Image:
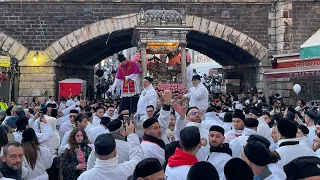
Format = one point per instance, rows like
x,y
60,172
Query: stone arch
x,y
117,31
12,46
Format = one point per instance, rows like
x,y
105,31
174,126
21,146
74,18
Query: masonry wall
x,y
38,25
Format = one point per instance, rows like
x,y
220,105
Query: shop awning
x,y
296,72
311,48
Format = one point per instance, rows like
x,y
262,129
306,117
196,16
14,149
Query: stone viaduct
x,y
70,36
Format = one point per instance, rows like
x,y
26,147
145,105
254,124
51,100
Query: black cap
x,y
147,167
227,117
236,168
21,123
147,123
28,135
104,144
238,115
114,125
121,57
53,105
290,116
44,110
256,137
262,158
217,128
190,137
105,121
311,114
78,118
11,121
287,128
203,170
302,167
256,111
148,79
251,122
196,77
303,129
89,114
74,111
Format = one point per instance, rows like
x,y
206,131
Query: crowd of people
x,y
228,137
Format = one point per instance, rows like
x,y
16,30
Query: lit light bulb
x,y
34,59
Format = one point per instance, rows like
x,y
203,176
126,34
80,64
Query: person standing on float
x,y
127,79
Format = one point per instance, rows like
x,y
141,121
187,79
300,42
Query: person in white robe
x,y
238,126
94,132
107,166
220,153
110,112
192,117
263,128
189,76
258,162
289,147
54,142
148,96
68,125
237,144
138,120
227,121
309,119
199,95
302,136
117,130
43,136
99,112
316,145
211,118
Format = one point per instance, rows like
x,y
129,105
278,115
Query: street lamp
x,y
35,56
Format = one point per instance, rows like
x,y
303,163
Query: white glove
x,y
127,78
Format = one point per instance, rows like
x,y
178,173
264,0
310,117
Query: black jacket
x,y
8,172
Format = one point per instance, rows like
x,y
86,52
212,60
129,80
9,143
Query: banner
x,y
300,63
4,61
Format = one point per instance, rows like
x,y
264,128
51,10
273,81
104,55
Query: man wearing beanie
x,y
310,119
220,153
127,78
107,166
263,127
117,130
149,168
236,145
68,125
185,157
303,168
238,126
192,117
148,96
273,167
204,171
302,136
258,157
289,147
237,169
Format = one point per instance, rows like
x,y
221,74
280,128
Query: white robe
x,y
96,121
304,141
232,134
111,170
312,133
44,136
65,127
94,132
236,145
152,150
219,160
148,97
189,77
211,119
177,173
291,152
199,97
227,126
277,171
122,154
44,162
119,83
264,129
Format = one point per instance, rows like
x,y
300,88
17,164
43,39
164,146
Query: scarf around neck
x,y
222,149
181,158
152,139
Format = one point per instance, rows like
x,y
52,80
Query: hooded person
x,y
127,78
302,135
149,168
238,126
236,168
303,168
220,153
107,159
236,145
273,167
258,162
94,132
185,157
289,147
68,125
148,96
204,171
